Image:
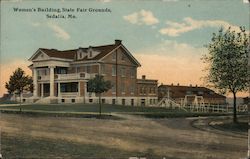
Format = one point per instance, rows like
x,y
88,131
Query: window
x,y
200,92
88,69
63,100
77,69
123,87
73,100
114,56
132,102
103,69
141,90
144,90
90,100
123,72
113,101
123,101
132,89
188,92
132,72
103,100
69,87
61,70
113,70
143,102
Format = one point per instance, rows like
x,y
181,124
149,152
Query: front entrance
x,y
46,89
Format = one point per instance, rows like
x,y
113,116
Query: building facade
x,y
62,76
189,94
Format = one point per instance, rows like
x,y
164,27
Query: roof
x,y
66,54
104,50
177,91
71,54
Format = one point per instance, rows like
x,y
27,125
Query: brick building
x,y
178,93
62,76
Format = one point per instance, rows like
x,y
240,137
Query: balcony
x,y
72,76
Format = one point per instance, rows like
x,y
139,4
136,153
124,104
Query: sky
x,y
167,37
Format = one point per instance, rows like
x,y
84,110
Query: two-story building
x,y
62,76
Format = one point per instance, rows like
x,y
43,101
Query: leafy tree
x,y
19,82
98,85
227,62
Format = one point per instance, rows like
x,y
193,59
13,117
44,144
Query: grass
x,y
88,108
8,102
91,110
179,114
227,125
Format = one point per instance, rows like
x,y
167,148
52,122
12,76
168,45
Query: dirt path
x,y
170,138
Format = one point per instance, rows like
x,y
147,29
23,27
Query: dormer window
x,y
92,53
80,54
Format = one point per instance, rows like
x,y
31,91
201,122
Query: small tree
x,y
98,85
19,82
228,60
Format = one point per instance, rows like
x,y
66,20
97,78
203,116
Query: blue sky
x,y
171,30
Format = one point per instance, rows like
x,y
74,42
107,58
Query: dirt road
x,y
49,137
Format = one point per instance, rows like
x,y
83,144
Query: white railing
x,y
69,94
70,76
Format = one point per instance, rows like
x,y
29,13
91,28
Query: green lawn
x,y
91,110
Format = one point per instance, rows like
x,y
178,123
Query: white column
x,y
42,93
52,81
85,92
59,89
34,82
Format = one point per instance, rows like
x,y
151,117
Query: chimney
x,y
172,84
190,85
178,84
143,77
117,42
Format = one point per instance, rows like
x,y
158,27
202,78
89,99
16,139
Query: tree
x,y
98,85
227,63
19,82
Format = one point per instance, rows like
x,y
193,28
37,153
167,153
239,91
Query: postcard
x,y
117,79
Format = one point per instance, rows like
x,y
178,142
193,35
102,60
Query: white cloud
x,y
59,32
245,1
189,24
142,17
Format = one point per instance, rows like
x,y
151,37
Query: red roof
x,y
71,54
